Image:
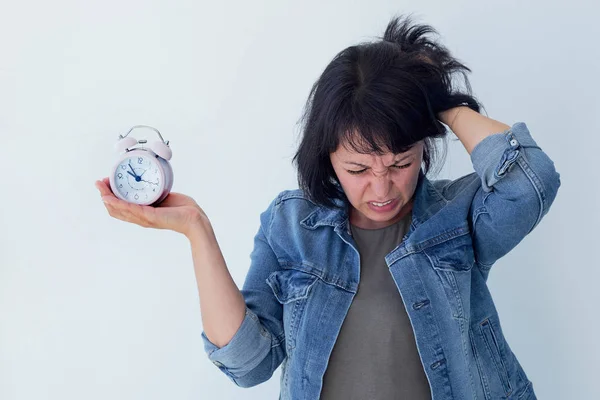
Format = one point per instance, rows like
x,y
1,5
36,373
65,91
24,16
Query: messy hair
x,y
378,96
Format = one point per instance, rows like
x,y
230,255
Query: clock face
x,y
138,178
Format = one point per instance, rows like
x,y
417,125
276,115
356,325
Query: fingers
x,y
126,214
108,197
104,187
123,210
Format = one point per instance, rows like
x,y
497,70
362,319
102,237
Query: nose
x,y
381,184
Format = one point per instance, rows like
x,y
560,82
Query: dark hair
x,y
389,93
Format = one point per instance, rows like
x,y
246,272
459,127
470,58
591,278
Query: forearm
x,y
470,127
222,305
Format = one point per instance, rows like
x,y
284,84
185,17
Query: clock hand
x,y
152,183
129,172
134,174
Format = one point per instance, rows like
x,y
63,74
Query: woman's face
x,y
367,178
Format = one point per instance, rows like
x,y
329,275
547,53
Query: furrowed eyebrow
x,y
366,166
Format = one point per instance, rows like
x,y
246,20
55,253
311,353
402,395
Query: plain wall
x,y
95,308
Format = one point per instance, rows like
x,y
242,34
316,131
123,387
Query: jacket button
x,y
514,142
437,364
420,304
218,364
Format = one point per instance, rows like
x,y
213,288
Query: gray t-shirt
x,y
375,355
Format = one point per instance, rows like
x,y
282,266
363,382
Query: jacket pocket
x,y
291,287
492,362
456,254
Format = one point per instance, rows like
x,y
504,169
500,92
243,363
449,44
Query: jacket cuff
x,y
245,351
493,157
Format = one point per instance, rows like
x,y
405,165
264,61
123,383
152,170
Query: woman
x,y
369,281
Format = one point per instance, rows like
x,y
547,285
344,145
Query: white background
x,y
94,308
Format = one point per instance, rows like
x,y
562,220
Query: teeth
x,y
381,204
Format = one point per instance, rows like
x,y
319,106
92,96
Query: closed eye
x,y
395,166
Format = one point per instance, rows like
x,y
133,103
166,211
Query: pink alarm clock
x,y
142,175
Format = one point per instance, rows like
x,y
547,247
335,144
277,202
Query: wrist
x,y
199,228
449,117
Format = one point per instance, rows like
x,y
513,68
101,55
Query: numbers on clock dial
x,y
138,177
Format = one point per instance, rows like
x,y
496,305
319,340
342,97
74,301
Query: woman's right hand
x,y
177,212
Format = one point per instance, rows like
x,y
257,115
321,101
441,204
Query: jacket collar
x,y
427,202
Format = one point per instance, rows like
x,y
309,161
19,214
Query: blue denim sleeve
x,y
519,182
256,349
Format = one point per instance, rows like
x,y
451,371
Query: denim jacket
x,y
304,273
